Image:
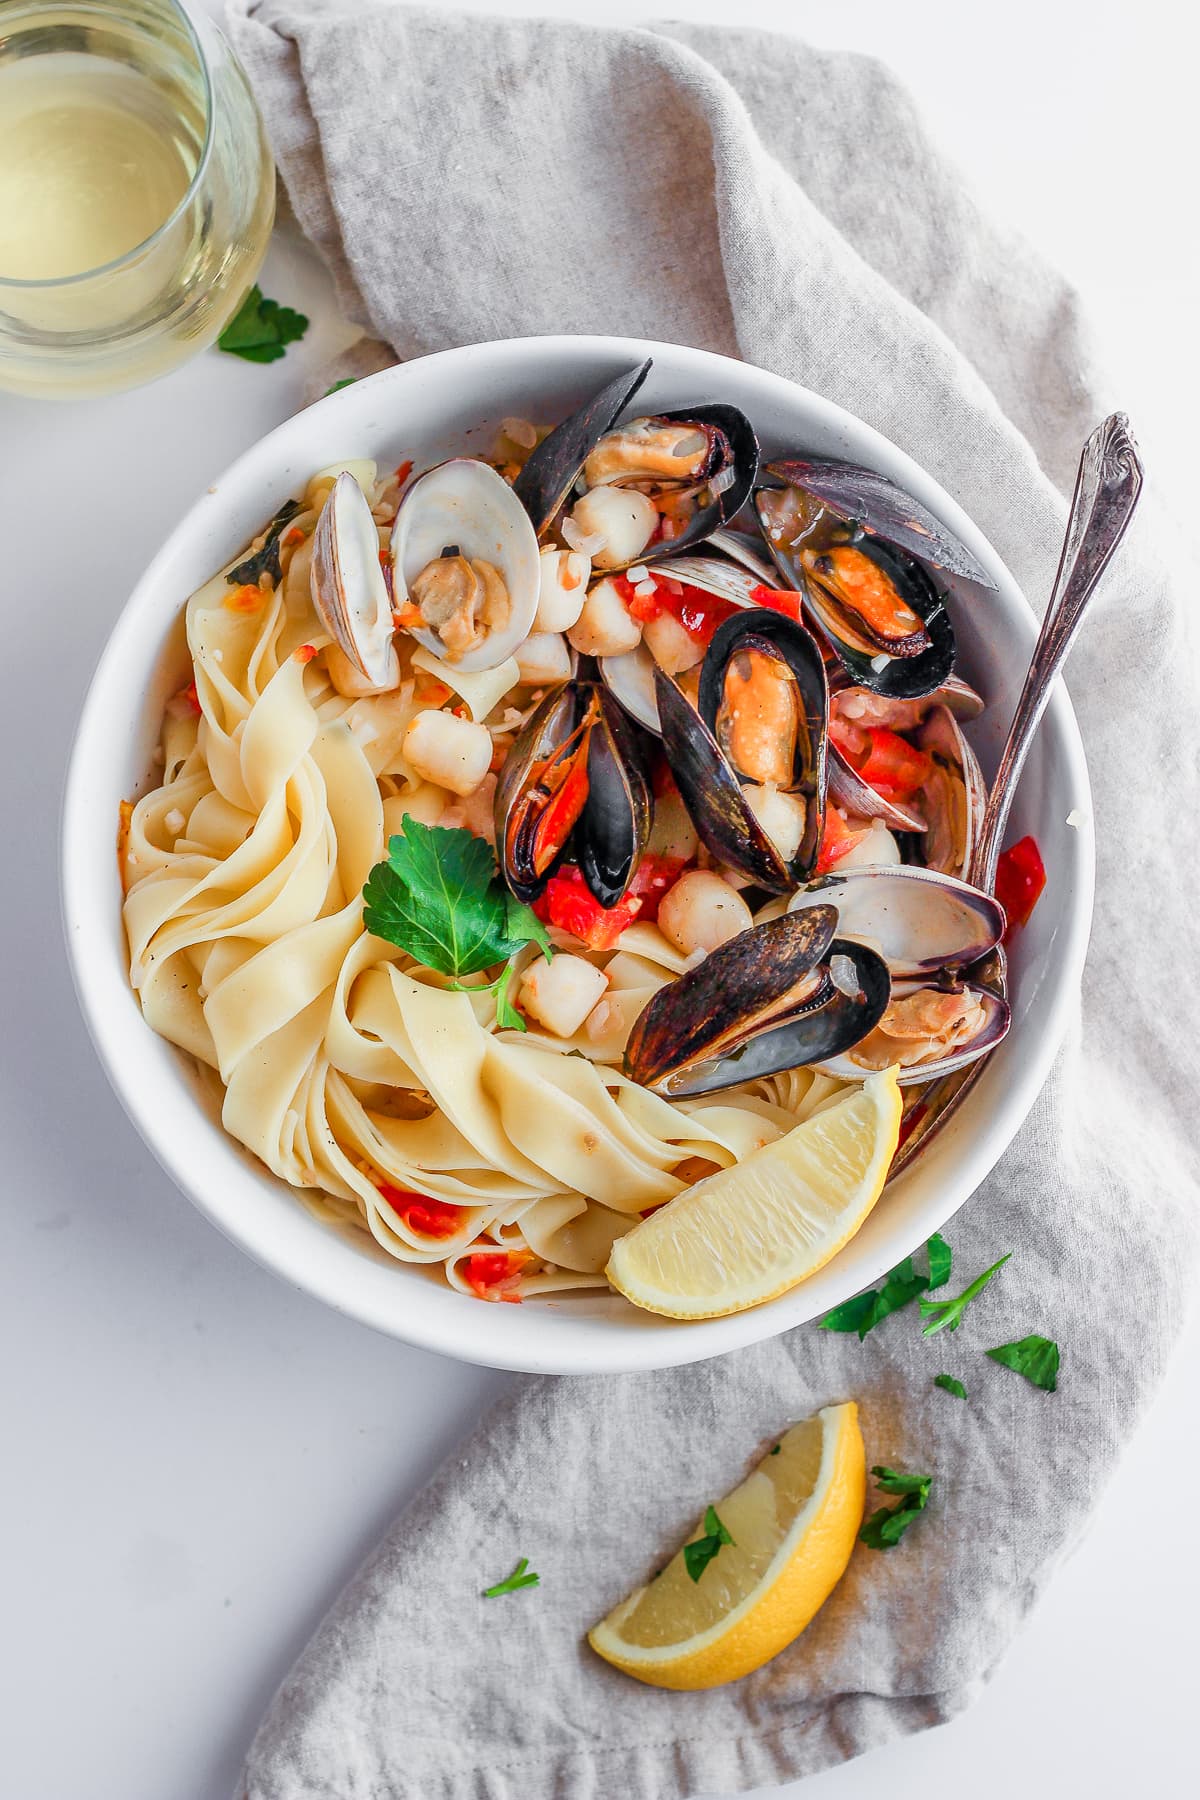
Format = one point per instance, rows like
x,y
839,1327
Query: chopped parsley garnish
x,y
439,897
1036,1358
346,381
951,1385
261,328
901,1287
698,1555
884,1529
946,1315
510,1584
266,560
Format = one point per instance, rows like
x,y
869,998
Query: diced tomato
x,y
653,878
837,840
421,1212
245,599
781,600
403,471
304,653
294,536
493,1275
891,765
1020,878
569,903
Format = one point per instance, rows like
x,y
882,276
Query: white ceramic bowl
x,y
438,406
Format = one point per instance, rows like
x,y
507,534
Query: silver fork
x,y
1106,494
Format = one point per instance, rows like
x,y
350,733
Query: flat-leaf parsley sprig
x,y
510,1584
1034,1357
884,1529
946,1315
902,1286
439,897
261,329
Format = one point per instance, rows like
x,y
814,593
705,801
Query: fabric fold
x,y
469,178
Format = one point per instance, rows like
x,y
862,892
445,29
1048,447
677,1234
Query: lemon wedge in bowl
x,y
791,1526
752,1231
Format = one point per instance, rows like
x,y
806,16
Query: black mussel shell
x,y
761,628
549,475
581,722
904,676
712,793
864,497
738,446
615,823
762,1003
544,733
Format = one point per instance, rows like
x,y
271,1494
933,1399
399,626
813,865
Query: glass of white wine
x,y
137,192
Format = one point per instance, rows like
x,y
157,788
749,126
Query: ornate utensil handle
x,y
1106,493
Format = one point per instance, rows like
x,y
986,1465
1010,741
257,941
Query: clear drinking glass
x,y
137,192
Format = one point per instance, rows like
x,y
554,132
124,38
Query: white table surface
x,y
194,1457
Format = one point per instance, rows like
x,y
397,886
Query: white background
x,y
193,1458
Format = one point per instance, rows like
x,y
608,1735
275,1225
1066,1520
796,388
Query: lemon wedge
x,y
793,1522
752,1231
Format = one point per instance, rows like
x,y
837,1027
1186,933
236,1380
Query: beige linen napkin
x,y
470,178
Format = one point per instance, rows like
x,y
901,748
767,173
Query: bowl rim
x,y
532,1338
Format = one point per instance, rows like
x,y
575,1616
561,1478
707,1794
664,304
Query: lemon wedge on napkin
x,y
752,1231
791,1526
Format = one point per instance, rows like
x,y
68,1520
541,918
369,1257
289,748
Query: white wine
x,y
137,191
89,166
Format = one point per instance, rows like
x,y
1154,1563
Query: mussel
x,y
465,565
860,552
574,780
680,475
349,591
928,928
786,993
749,759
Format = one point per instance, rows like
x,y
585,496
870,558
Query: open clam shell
x,y
855,796
349,590
953,800
464,507
919,921
711,787
574,780
874,603
862,707
956,1023
764,1002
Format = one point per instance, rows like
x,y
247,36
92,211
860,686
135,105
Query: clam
x,y
926,926
687,472
953,797
574,778
862,707
349,589
465,562
860,551
749,759
785,993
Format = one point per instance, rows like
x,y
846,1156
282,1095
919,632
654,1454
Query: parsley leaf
x,y
260,328
952,1385
346,381
439,898
698,1555
884,1529
1034,1357
946,1315
901,1287
510,1584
